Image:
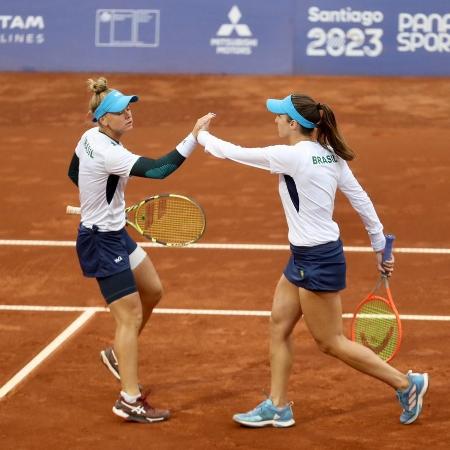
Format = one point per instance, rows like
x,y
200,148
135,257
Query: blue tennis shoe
x,y
411,398
265,414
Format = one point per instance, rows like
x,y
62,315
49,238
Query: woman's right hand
x,y
385,267
202,124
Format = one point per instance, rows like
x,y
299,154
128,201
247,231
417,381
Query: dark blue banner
x,y
189,36
383,37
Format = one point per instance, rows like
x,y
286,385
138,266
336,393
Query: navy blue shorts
x,y
318,268
105,256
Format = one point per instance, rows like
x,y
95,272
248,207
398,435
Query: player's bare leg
x,y
149,287
323,316
127,312
286,312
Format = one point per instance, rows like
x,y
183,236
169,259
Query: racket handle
x,y
388,248
73,210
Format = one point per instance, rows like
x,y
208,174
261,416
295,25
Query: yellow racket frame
x,y
195,212
198,219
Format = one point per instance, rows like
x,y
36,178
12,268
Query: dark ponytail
x,y
327,131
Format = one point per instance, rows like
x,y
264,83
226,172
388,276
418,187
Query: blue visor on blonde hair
x,y
286,106
114,102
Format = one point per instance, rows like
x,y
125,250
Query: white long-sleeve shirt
x,y
309,176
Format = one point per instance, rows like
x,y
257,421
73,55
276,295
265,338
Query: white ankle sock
x,y
129,398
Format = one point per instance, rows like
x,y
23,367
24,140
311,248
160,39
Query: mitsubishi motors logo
x,y
227,28
241,43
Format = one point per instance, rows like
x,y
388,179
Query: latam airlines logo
x,y
234,38
21,29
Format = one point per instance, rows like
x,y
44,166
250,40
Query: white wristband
x,y
202,137
378,241
187,146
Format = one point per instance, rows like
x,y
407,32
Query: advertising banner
x,y
162,36
404,37
360,37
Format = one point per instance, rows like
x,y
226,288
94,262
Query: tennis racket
x,y
376,322
168,219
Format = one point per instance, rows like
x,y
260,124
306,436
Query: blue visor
x,y
286,106
114,102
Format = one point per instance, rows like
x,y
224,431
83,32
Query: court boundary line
x,y
46,352
219,246
194,311
88,312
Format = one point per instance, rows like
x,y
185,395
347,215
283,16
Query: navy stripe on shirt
x,y
292,189
111,186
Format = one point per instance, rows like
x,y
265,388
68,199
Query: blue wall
x,y
383,37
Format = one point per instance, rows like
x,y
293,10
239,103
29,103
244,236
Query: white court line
x,y
193,311
47,351
284,247
90,311
52,308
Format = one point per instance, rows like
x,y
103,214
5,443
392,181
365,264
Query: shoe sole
x,y
266,423
106,362
138,419
420,399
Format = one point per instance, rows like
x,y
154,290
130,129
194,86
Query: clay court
x,y
207,365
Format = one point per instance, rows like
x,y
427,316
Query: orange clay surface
x,y
206,368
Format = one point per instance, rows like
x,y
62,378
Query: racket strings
x,y
171,219
376,327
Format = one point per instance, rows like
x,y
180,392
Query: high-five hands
x,y
202,124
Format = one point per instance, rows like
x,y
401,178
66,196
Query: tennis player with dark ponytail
x,y
311,167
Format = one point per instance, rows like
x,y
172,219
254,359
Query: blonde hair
x,y
100,89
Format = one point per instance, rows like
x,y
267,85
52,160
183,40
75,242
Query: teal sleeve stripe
x,y
157,168
161,172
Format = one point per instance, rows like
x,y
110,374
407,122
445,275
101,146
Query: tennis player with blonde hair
x,y
311,167
127,278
